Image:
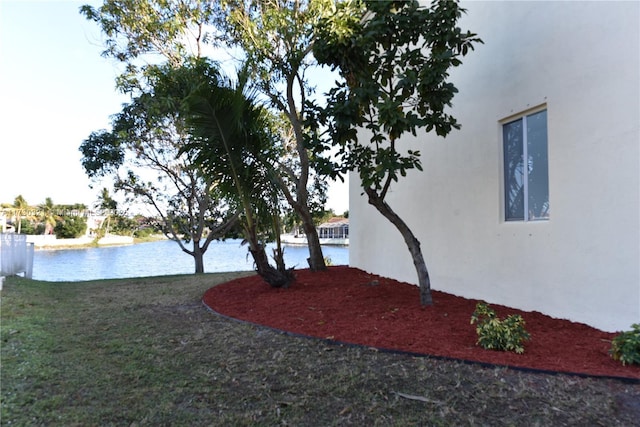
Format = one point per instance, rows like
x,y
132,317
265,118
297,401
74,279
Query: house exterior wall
x,y
579,60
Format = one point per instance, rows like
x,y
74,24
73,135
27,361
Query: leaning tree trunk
x,y
412,244
301,206
277,278
316,258
274,277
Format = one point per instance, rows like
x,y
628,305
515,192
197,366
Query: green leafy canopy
x,y
395,58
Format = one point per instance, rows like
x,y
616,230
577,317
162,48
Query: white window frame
x,y
525,155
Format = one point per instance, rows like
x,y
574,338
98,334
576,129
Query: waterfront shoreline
x,y
46,242
50,242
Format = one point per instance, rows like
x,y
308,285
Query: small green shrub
x,y
495,334
625,347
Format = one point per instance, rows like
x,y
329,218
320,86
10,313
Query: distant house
x,y
333,232
535,202
335,228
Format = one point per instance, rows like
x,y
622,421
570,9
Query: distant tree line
x,y
70,221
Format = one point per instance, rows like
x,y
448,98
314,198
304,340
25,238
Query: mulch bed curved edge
x,y
321,306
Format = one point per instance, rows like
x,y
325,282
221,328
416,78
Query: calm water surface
x,y
158,259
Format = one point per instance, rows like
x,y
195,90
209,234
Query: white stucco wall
x,y
582,61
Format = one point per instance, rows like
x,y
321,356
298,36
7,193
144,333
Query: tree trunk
x,y
278,252
274,277
316,258
278,257
412,244
198,257
260,258
277,278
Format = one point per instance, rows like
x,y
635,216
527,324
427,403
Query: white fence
x,y
16,255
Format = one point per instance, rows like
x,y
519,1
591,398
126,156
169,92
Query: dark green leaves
x,y
101,153
395,58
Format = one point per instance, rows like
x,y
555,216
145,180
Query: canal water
x,y
159,258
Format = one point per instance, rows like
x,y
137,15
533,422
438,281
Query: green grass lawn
x,y
136,352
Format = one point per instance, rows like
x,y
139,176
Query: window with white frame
x,y
526,170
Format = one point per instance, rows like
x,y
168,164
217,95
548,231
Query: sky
x,y
55,89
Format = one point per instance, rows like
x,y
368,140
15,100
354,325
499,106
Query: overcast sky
x,y
56,89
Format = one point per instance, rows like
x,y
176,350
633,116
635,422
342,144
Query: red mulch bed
x,y
341,304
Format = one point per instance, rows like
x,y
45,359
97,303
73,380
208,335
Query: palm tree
x,y
21,206
48,216
234,145
107,204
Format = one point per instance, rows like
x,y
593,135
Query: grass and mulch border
x,y
489,365
341,304
145,351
